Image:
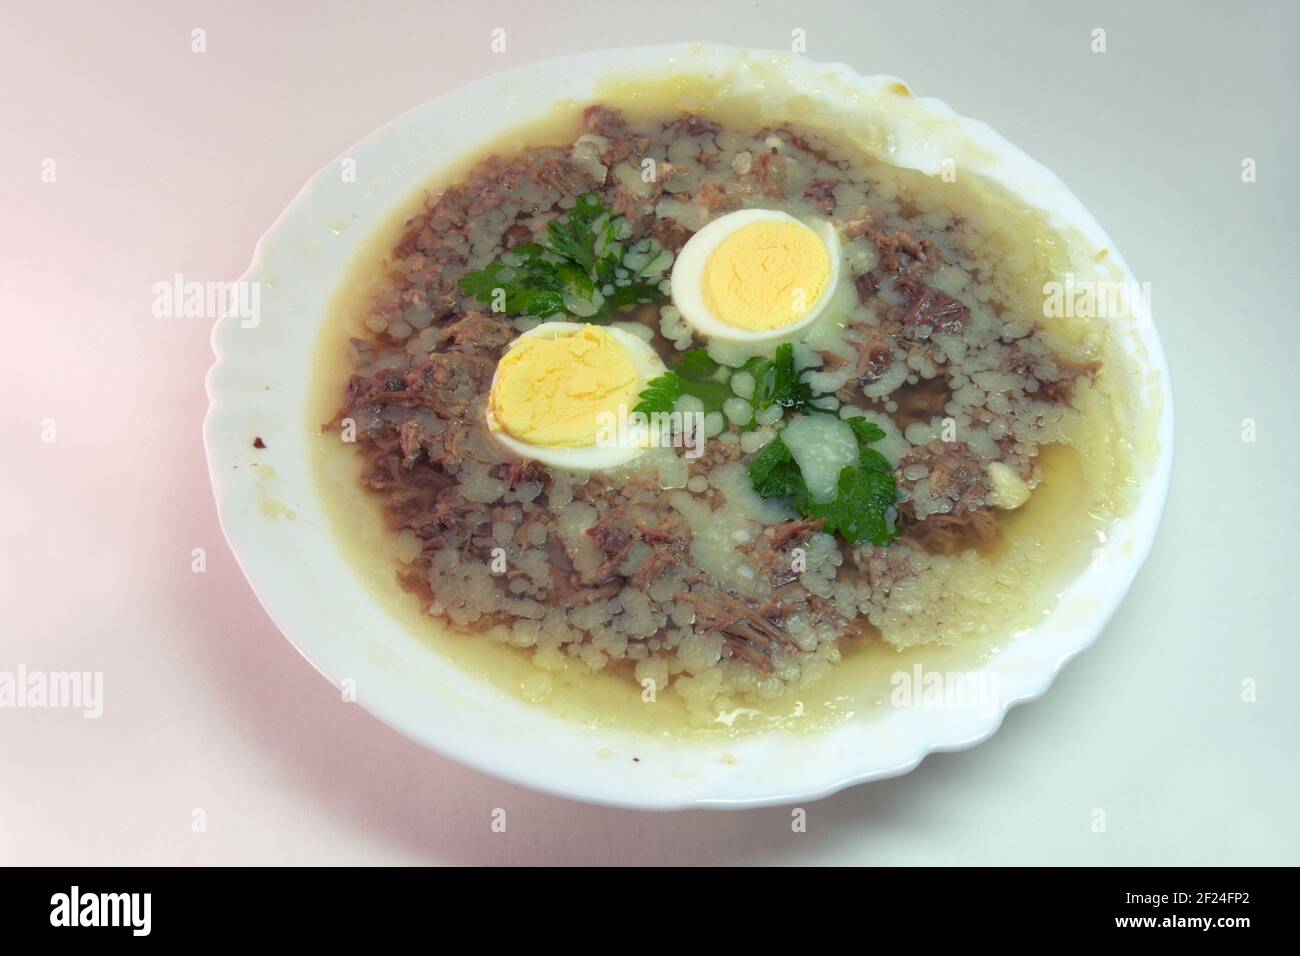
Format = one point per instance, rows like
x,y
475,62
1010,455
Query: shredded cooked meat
x,y
930,310
749,632
771,552
875,352
624,525
598,568
957,507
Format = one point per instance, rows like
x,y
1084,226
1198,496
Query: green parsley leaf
x,y
777,383
774,473
660,394
584,260
860,507
866,432
625,296
698,364
575,237
864,492
533,286
692,374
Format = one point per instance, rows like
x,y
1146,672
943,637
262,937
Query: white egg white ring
x,y
688,275
584,457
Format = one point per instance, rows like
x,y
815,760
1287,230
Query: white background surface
x,y
174,162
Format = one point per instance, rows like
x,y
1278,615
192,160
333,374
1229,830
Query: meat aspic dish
x,y
703,408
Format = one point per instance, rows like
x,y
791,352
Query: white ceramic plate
x,y
260,383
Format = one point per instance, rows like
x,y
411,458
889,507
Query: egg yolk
x,y
551,391
766,275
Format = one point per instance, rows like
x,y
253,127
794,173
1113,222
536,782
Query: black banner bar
x,y
333,904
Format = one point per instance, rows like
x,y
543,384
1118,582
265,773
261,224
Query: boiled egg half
x,y
560,386
756,275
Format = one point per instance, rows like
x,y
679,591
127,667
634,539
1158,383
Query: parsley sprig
x,y
586,269
777,383
864,492
693,374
